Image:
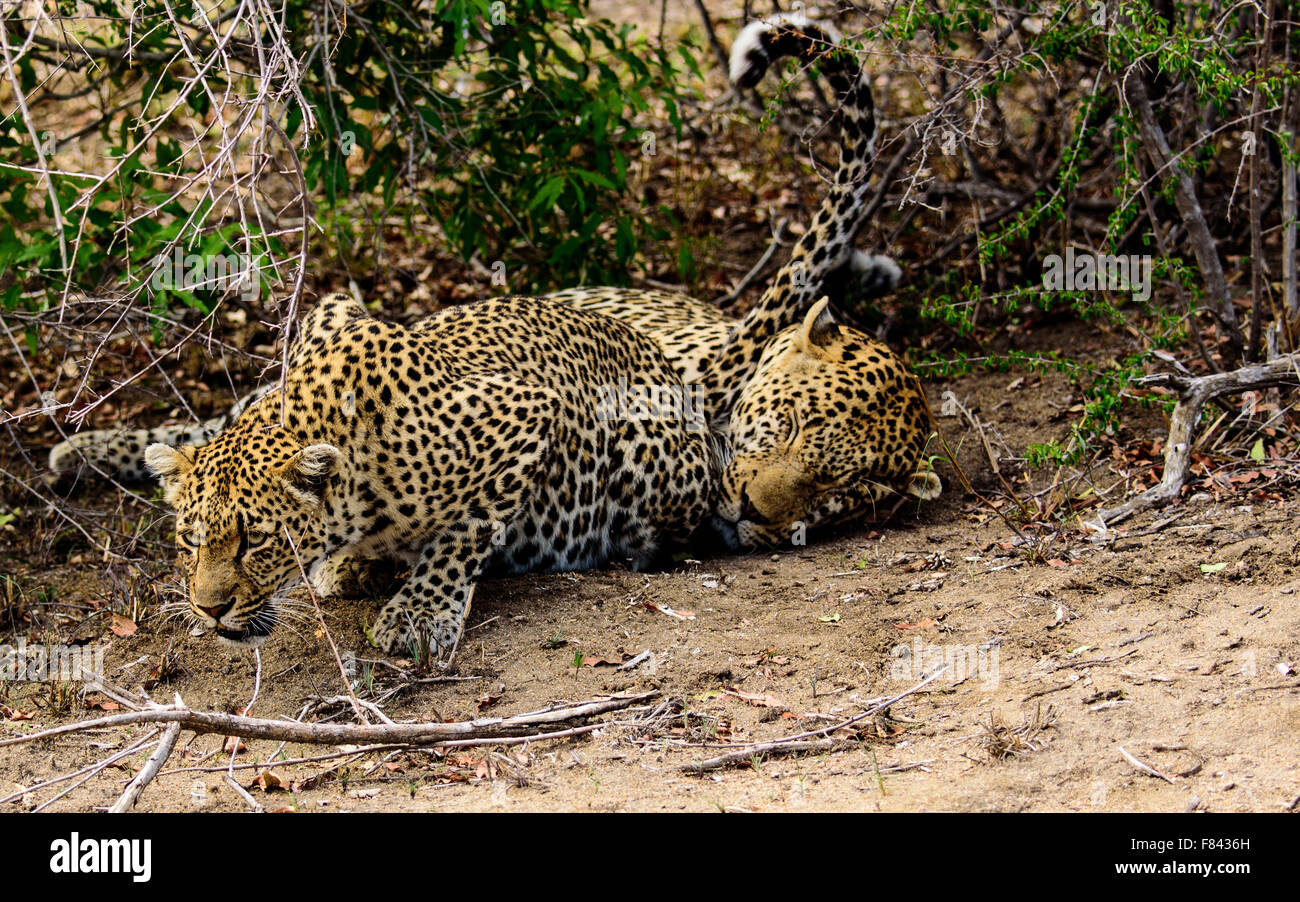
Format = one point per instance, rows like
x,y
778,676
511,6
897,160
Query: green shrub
x,y
514,128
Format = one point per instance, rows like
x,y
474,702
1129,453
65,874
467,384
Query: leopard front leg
x,y
433,602
348,575
493,484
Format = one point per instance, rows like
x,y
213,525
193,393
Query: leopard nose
x,y
216,612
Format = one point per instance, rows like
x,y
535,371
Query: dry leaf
x,y
269,781
769,657
122,626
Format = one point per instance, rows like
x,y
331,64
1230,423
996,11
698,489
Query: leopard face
x,y
248,516
830,425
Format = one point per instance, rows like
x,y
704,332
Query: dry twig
x,y
820,740
1193,393
1144,768
517,725
149,771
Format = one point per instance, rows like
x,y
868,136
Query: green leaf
x,y
594,178
549,192
1257,451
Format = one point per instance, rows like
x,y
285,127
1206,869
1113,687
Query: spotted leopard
x,y
474,448
474,439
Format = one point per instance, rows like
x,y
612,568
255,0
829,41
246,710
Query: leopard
x,y
477,447
477,439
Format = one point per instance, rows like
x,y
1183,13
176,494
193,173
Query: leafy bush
x,y
166,159
1164,130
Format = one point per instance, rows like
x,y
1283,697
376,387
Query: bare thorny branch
x,y
224,154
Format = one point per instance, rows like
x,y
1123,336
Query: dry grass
x,y
1001,741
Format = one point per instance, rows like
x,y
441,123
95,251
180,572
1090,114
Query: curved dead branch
x,y
1193,394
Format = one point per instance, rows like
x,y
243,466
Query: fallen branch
x,y
1076,665
149,771
243,793
1193,393
86,773
814,740
347,734
116,693
1142,766
777,746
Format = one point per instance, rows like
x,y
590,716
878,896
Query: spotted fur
x,y
476,438
473,448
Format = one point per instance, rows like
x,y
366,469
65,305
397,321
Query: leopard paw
x,y
399,630
345,576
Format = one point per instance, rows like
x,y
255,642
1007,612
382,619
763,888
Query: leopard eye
x,y
191,536
256,540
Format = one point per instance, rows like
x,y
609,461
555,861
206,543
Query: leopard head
x,y
250,511
830,425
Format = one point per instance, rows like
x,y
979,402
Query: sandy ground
x,y
1173,641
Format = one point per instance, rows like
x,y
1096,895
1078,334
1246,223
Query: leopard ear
x,y
819,329
170,465
307,473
